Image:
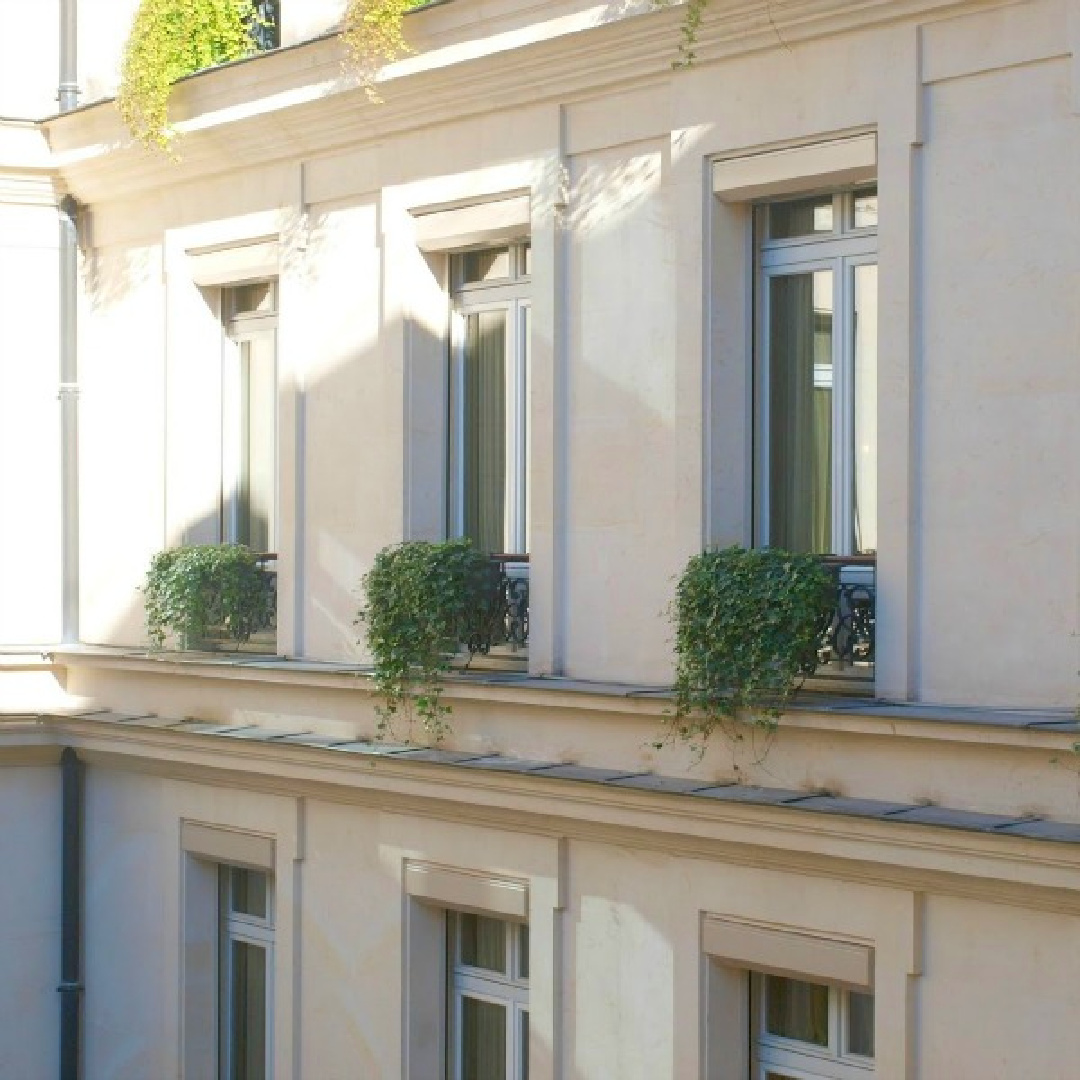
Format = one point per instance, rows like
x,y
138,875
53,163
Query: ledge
x,y
1043,728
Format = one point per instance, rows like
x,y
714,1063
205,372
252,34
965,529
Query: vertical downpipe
x,y
70,987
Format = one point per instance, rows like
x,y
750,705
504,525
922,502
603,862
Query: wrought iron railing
x,y
501,624
847,645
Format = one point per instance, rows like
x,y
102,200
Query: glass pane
x,y
483,942
491,265
797,1010
865,214
265,28
484,430
258,298
523,952
483,1040
526,259
257,442
247,1029
801,217
860,1038
866,394
800,411
523,1043
248,892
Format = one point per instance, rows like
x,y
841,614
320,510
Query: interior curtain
x,y
485,430
483,1042
800,415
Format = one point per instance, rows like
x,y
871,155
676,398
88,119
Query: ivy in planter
x,y
201,590
748,624
421,601
373,34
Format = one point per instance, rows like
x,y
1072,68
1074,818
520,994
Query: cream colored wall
x,y
30,928
640,448
29,64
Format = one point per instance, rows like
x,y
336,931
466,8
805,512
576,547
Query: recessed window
x,y
810,1031
488,998
249,417
816,385
245,974
489,371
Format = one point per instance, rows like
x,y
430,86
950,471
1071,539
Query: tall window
x,y
817,373
245,968
265,28
249,417
809,1031
488,998
488,395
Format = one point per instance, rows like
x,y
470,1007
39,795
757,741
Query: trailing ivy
x,y
421,601
170,39
374,35
748,624
688,34
192,593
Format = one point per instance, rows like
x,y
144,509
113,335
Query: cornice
x,y
995,868
299,104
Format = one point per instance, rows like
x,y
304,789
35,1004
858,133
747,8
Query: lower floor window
x,y
245,969
488,998
810,1031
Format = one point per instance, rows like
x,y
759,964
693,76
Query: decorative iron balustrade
x,y
502,621
848,639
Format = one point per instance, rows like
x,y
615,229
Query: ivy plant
x,y
373,35
748,624
192,593
421,601
170,39
688,34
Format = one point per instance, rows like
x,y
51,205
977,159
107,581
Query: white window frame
x,y
249,930
806,1061
509,990
240,329
839,251
513,296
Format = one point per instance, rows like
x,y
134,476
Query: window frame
x,y
255,931
512,295
840,251
509,989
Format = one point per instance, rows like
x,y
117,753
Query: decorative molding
x,y
469,890
225,845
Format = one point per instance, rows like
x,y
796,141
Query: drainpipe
x,y
70,987
68,97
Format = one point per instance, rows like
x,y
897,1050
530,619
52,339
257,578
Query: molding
x,y
224,845
303,107
989,867
467,890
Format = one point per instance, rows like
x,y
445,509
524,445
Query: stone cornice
x,y
298,103
996,868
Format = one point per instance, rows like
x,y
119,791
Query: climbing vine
x,y
688,34
170,39
373,35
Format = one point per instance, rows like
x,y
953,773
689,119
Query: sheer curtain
x,y
800,411
485,430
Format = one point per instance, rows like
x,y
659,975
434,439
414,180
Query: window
x,y
488,398
249,417
265,28
816,384
810,1031
245,974
487,999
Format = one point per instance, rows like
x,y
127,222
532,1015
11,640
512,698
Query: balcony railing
x,y
501,631
847,645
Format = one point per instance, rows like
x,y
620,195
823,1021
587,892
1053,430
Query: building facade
x,y
816,290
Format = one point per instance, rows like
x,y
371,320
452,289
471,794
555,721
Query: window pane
x,y
491,265
801,217
866,437
247,1032
797,1010
484,434
248,892
526,259
257,442
800,411
860,1024
483,1040
483,942
265,28
865,214
259,298
523,952
523,1043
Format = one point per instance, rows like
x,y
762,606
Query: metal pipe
x,y
70,987
68,97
